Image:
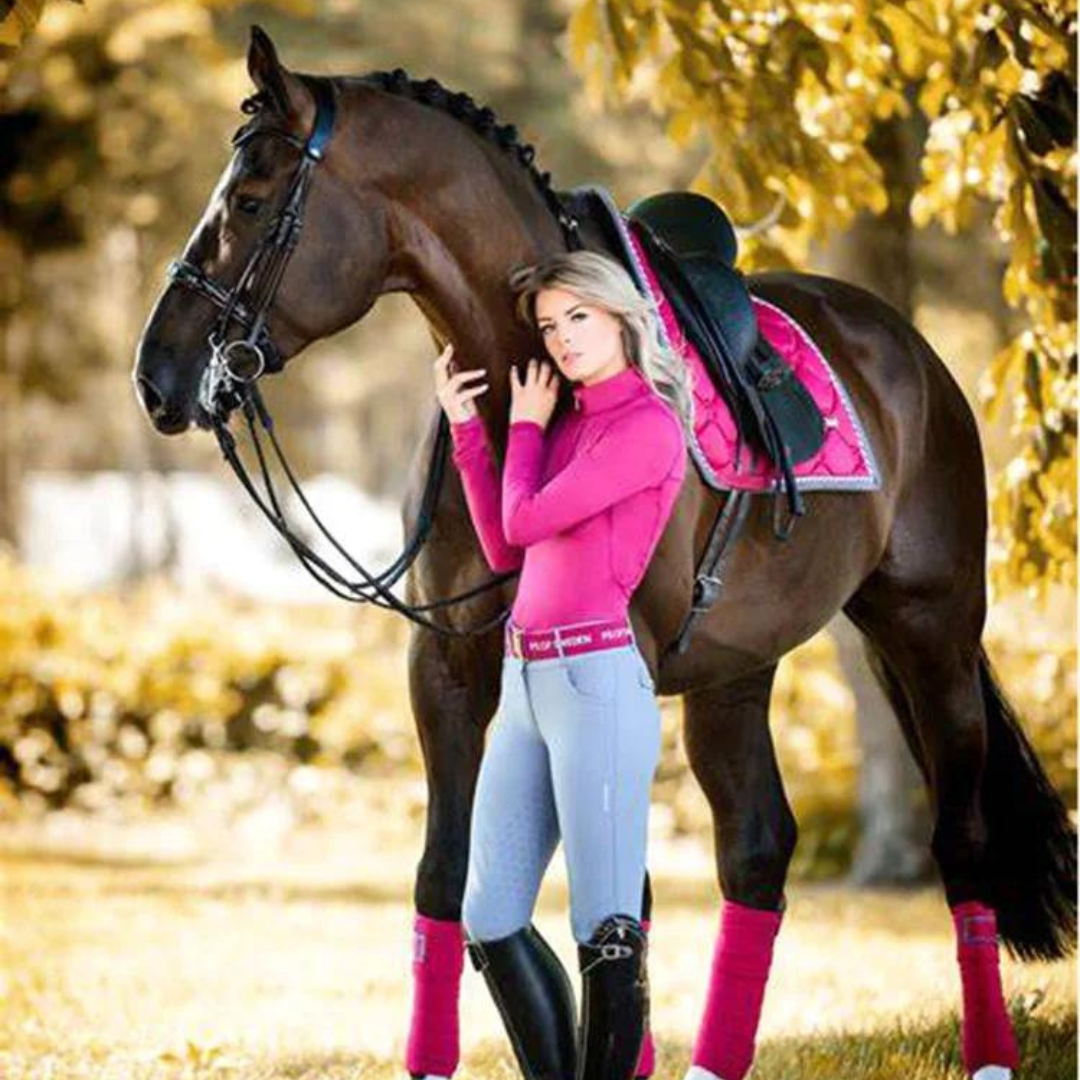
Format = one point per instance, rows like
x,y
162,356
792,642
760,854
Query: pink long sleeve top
x,y
580,508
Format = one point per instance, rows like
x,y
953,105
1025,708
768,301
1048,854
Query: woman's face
x,y
584,340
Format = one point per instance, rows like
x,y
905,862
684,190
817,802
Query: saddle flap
x,y
789,404
723,295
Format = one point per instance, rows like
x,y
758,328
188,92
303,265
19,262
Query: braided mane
x,y
457,104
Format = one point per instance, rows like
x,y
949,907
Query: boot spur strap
x,y
601,953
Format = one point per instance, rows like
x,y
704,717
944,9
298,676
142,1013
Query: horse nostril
x,y
151,396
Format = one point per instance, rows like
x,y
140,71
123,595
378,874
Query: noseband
x,y
230,381
243,359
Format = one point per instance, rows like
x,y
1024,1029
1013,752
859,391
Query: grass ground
x,y
192,952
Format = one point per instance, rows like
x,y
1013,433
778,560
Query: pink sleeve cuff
x,y
523,426
468,437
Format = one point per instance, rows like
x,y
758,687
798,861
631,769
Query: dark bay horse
x,y
420,191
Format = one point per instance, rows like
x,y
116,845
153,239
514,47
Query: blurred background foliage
x,y
925,149
127,703
994,83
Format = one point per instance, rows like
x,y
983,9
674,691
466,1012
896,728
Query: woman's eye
x,y
576,317
248,204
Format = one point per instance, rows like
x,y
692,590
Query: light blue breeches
x,y
570,755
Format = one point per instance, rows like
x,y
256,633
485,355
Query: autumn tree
x,y
100,104
787,94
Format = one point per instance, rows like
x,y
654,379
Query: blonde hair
x,y
601,281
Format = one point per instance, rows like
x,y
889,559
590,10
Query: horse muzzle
x,y
166,390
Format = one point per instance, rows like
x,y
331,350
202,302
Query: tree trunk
x,y
894,815
10,433
876,253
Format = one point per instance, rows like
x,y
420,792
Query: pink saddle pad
x,y
845,460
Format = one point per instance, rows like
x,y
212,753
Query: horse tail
x,y
1031,843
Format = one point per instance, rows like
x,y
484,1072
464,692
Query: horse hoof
x,y
992,1072
698,1073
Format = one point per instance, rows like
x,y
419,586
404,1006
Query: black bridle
x,y
243,359
235,366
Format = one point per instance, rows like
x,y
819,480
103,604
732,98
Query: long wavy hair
x,y
600,280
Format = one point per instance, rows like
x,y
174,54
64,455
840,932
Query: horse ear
x,y
284,90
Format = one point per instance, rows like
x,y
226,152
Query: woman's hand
x,y
453,395
535,398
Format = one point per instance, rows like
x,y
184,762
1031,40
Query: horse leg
x,y
451,728
730,750
932,652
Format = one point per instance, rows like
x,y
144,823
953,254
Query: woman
x,y
576,739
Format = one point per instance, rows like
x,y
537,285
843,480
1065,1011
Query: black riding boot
x,y
614,1000
533,994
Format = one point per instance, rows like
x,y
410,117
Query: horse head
x,y
248,260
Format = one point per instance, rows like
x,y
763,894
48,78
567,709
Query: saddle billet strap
x,y
709,579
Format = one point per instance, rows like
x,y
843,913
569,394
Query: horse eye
x,y
248,204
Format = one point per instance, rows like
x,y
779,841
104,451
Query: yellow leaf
x,y
932,96
681,127
906,36
584,32
19,22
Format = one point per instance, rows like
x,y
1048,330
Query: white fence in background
x,y
99,529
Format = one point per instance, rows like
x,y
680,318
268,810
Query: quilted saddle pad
x,y
846,459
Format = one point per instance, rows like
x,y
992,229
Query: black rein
x,y
232,373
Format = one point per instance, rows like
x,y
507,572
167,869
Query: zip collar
x,y
609,392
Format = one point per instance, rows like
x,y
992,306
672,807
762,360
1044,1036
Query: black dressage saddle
x,y
692,247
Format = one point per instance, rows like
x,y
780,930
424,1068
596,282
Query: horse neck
x,y
457,280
